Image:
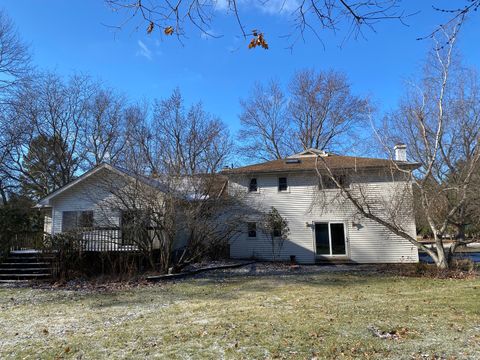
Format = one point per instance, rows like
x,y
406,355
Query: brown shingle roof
x,y
307,163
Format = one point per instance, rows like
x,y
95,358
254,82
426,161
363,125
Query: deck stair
x,y
26,265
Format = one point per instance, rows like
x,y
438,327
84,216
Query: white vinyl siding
x,y
367,241
87,195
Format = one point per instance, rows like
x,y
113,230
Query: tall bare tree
x,y
323,109
53,110
187,141
15,64
438,120
319,111
265,131
103,132
15,68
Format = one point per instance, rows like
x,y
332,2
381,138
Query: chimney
x,y
400,152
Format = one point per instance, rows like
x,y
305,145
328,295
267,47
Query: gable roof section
x,y
45,202
181,187
308,163
309,152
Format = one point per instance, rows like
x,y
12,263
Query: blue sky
x,y
69,36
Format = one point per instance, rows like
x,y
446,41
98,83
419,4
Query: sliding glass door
x,y
330,239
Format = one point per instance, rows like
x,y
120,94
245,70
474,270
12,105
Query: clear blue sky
x,y
68,36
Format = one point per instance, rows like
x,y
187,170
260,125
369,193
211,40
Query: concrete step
x,y
6,281
24,264
29,259
24,276
26,270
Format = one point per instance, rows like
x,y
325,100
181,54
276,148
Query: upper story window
x,y
72,220
253,186
282,184
252,229
327,183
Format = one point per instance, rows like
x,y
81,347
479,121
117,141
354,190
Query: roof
x,y
304,162
183,188
45,202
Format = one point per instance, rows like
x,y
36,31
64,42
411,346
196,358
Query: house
x,y
110,208
98,206
323,225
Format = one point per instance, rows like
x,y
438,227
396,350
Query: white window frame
x,y
345,236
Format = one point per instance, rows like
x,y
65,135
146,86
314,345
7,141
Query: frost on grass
x,y
307,315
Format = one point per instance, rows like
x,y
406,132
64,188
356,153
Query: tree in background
x,y
265,130
56,127
15,66
319,112
15,71
42,166
103,133
323,109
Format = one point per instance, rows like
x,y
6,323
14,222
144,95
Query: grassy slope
x,y
302,316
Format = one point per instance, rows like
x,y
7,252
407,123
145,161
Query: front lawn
x,y
322,315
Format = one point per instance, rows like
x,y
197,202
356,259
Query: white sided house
x,y
92,206
324,226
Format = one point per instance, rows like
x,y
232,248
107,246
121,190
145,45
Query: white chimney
x,y
400,152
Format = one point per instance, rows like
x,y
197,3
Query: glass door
x,y
330,239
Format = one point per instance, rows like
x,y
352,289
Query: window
x,y
282,184
252,229
330,239
72,220
327,183
253,187
277,231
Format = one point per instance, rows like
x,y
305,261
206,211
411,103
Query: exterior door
x,y
330,239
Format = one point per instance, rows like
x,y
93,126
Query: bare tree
x,y
439,123
14,57
323,109
52,111
319,111
176,193
265,128
103,133
188,141
14,72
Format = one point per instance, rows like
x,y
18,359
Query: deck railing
x,y
102,239
27,241
105,239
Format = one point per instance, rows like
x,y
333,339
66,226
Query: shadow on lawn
x,y
228,286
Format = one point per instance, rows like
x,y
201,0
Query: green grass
x,y
302,316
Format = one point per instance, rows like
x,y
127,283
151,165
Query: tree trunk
x,y
459,240
442,259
